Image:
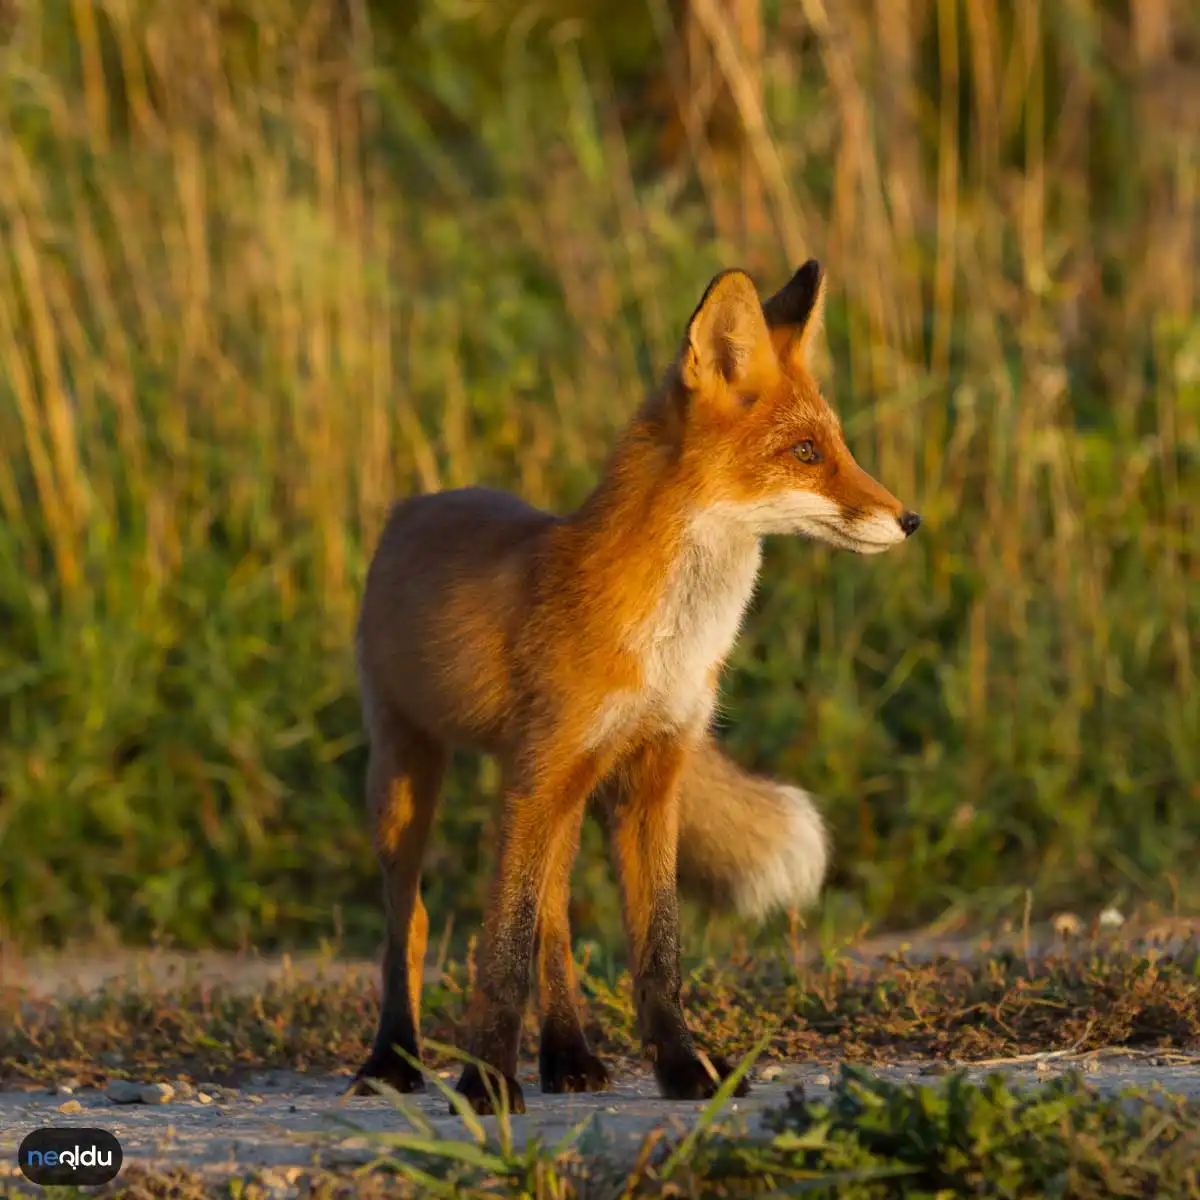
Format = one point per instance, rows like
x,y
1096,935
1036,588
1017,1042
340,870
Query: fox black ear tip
x,y
793,304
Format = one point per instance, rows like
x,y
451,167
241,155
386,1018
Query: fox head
x,y
757,441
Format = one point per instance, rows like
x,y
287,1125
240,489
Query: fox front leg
x,y
645,833
566,1062
538,837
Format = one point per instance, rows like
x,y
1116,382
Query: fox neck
x,y
679,576
644,510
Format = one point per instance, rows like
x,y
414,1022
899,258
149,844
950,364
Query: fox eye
x,y
806,452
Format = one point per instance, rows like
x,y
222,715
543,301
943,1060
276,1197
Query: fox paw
x,y
571,1067
472,1086
388,1068
687,1078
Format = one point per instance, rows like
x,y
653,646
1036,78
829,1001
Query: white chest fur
x,y
691,629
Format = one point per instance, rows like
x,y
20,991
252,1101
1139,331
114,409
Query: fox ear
x,y
727,338
794,314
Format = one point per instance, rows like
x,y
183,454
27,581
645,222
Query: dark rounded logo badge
x,y
75,1157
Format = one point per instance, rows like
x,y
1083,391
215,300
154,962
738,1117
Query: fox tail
x,y
747,842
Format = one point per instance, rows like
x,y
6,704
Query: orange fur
x,y
584,652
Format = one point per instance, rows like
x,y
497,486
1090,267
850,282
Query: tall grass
x,y
264,270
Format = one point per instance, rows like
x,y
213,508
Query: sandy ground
x,y
282,1119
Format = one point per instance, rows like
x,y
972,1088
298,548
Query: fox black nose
x,y
909,521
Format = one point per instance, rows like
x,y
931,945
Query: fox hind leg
x,y
404,776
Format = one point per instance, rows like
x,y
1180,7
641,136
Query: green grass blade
x,y
722,1096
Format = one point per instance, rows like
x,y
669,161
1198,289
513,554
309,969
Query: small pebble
x,y
274,1182
772,1072
157,1093
205,1098
71,1106
124,1091
183,1089
821,1080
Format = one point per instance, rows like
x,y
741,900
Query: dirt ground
x,y
283,1119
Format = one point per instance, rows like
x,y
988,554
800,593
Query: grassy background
x,y
266,265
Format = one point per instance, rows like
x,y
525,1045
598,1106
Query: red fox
x,y
584,652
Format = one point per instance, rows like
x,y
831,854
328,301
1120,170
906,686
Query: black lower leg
x,y
503,992
397,1021
565,1061
682,1074
397,1028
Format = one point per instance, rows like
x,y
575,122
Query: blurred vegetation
x,y
267,264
